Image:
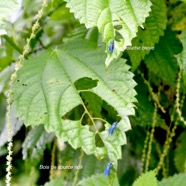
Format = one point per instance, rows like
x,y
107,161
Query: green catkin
x,y
77,170
169,139
166,147
163,165
144,151
151,138
9,94
178,110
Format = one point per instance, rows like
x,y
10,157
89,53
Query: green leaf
x,y
15,125
182,57
79,32
146,38
161,61
178,18
145,179
95,180
57,181
116,20
92,166
5,76
7,7
145,108
35,143
176,180
45,92
180,153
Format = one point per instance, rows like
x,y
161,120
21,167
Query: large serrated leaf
x,y
146,38
161,61
145,179
45,92
116,20
176,180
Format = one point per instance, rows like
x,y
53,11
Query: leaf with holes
x,y
48,90
116,20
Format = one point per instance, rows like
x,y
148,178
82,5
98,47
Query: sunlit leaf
x,y
46,92
116,20
176,180
145,179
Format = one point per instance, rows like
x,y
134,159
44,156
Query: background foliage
x,y
71,89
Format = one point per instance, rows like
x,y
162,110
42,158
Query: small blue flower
x,y
111,46
107,169
113,126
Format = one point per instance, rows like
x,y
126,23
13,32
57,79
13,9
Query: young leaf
x,y
146,38
145,179
116,20
176,180
45,92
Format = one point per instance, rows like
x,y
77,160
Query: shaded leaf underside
x,y
155,25
161,61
